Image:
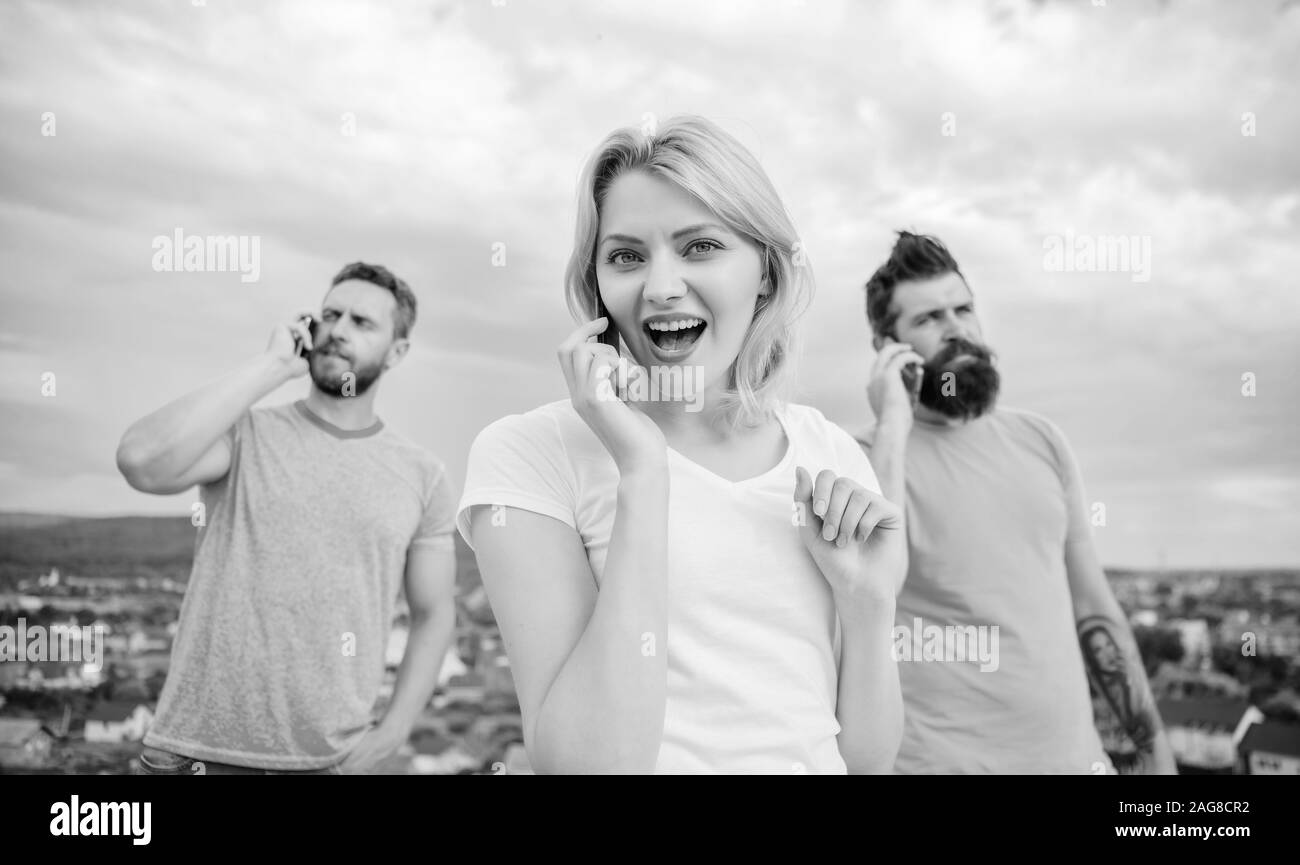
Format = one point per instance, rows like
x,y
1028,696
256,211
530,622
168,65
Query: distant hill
x,y
31,521
31,544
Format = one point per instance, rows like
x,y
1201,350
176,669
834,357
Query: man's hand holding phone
x,y
290,344
895,382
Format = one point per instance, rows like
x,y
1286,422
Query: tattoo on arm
x,y
1120,680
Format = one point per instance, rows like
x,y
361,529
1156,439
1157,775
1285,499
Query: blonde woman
x,y
687,580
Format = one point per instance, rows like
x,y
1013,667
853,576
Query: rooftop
x,y
466,680
14,732
1274,737
430,742
113,710
1208,711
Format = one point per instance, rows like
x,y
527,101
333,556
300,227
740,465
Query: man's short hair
x,y
381,276
914,256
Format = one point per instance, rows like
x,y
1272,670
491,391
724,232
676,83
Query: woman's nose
x,y
663,283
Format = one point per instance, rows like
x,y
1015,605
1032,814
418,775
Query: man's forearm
x,y
888,454
426,646
1114,665
171,439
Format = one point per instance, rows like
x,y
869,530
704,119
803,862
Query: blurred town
x,y
1222,651
62,717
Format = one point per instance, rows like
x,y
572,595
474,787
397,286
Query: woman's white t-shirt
x,y
753,642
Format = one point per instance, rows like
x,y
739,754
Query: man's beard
x,y
339,383
964,390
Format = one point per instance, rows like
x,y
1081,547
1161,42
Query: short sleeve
x,y
519,462
853,460
1078,526
234,437
438,521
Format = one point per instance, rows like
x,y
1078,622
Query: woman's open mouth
x,y
674,336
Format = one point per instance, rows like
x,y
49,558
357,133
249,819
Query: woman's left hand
x,y
855,536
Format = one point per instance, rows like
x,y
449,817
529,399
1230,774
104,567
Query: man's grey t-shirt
x,y
279,653
991,506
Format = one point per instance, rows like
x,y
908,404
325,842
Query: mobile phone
x,y
911,373
610,336
311,323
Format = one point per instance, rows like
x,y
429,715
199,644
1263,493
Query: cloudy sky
x,y
996,126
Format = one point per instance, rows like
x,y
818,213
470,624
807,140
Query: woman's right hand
x,y
591,370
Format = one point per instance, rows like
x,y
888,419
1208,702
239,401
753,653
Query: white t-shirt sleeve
x,y
852,458
519,462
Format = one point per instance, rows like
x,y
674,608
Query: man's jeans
x,y
155,761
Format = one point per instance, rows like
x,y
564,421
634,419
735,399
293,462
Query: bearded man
x,y
998,537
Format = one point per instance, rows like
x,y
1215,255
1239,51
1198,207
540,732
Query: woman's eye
x,y
703,246
621,257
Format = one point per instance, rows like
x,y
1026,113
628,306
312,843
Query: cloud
x,y
471,123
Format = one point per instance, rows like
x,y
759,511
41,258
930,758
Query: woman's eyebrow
x,y
694,229
621,238
676,235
